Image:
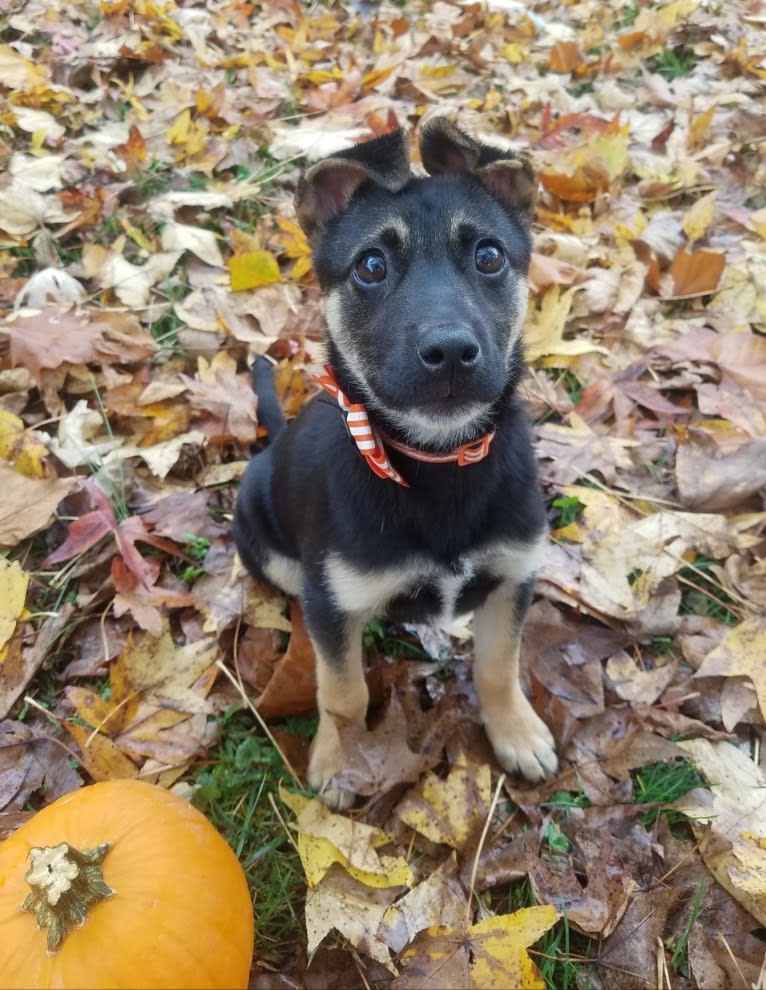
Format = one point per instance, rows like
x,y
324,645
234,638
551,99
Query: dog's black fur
x,y
425,288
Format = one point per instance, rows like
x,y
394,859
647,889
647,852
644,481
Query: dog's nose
x,y
445,350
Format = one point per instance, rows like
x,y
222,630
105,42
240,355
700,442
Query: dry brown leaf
x,y
342,903
438,900
54,337
378,760
28,503
714,482
696,273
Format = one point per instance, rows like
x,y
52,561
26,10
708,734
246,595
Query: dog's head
x,y
424,278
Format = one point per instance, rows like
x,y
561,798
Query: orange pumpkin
x,y
134,888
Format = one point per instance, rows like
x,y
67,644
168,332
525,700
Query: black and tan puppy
x,y
410,489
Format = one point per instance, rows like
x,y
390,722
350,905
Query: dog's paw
x,y
523,744
326,760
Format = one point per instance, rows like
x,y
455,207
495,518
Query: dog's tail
x,y
270,414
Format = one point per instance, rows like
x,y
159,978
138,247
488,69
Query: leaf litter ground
x,y
148,250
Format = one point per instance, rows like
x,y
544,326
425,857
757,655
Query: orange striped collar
x,y
370,441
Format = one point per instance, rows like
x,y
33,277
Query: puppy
x,y
408,487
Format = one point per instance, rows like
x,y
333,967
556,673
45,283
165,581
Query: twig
x,y
283,823
475,867
724,941
663,976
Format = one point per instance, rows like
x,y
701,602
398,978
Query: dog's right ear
x,y
328,185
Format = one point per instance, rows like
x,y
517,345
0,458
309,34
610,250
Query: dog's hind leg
x,y
521,740
341,690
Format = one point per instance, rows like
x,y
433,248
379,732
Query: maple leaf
x,y
490,955
54,337
449,810
86,531
326,838
225,401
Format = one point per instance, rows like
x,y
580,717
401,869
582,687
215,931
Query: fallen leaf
x,y
438,900
202,243
729,821
491,955
741,654
54,337
450,810
14,581
326,838
711,481
28,504
696,273
698,217
100,756
342,903
378,760
251,270
634,684
50,286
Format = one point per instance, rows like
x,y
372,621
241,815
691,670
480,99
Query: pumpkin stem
x,y
66,884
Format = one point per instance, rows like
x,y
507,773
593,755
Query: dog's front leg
x,y
521,740
341,689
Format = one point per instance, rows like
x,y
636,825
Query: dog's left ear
x,y
508,176
329,184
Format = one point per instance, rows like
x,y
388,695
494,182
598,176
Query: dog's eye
x,y
370,269
490,258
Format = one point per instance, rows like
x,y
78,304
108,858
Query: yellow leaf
x,y
437,71
449,810
500,946
301,267
319,76
178,132
325,838
19,447
729,821
699,217
491,955
13,592
248,271
742,653
514,53
100,757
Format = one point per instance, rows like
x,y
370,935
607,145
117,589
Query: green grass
x,y
679,960
560,952
235,790
702,595
569,381
559,964
673,62
196,548
662,784
380,637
